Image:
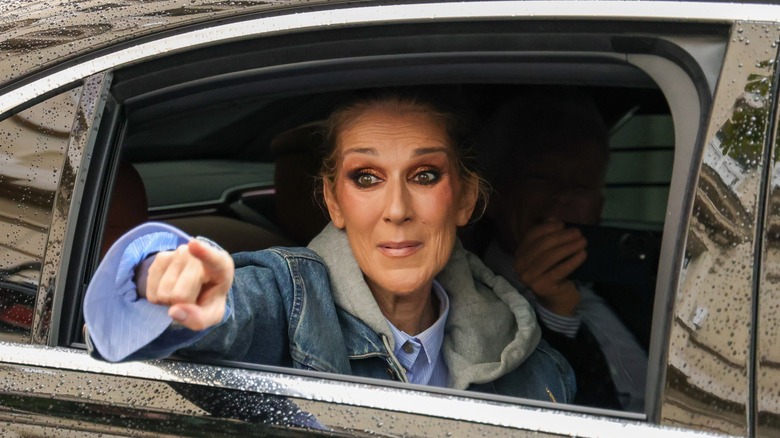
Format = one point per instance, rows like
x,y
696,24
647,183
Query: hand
x,y
545,257
193,280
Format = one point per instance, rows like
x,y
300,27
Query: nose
x,y
398,208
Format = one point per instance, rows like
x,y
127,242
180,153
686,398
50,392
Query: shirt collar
x,y
430,339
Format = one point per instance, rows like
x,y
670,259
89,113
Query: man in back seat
x,y
547,157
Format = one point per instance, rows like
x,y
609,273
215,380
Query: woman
x,y
385,291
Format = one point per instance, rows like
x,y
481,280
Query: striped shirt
x,y
421,355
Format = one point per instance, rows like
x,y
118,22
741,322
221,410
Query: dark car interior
x,y
247,179
244,183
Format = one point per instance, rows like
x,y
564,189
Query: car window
x,y
35,143
641,159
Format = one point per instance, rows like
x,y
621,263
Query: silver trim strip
x,y
660,10
411,401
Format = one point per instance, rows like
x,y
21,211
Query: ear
x,y
334,209
468,201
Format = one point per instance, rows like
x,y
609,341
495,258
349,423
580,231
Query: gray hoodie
x,y
491,328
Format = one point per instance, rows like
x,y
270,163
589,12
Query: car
x,y
207,114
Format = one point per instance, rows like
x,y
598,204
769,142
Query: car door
x,y
711,357
66,136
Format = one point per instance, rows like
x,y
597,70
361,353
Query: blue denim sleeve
x,y
256,330
282,314
119,325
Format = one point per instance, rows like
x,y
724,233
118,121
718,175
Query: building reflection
x,y
33,144
710,358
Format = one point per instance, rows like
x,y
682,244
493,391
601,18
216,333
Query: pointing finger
x,y
214,260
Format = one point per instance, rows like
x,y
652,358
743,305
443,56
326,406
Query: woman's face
x,y
398,196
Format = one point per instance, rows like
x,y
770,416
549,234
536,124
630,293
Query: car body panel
x,y
343,16
155,390
30,183
711,330
767,353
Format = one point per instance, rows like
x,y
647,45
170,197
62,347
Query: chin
x,y
404,284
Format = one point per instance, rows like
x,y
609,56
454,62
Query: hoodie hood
x,y
491,328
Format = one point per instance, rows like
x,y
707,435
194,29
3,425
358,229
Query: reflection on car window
x,y
31,159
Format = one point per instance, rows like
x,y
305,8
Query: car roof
x,y
36,35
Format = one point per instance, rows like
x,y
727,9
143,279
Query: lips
x,y
399,249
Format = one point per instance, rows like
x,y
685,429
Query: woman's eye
x,y
365,180
426,177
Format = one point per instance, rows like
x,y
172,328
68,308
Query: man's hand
x,y
545,257
193,280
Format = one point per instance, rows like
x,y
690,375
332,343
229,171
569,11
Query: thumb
x,y
196,317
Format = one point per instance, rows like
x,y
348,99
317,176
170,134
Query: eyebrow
x,y
369,151
417,152
430,150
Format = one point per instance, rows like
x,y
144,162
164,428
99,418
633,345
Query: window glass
x,y
34,143
637,182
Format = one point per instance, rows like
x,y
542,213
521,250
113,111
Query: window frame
x,y
678,62
113,115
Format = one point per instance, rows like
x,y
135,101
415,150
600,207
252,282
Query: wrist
x,y
563,304
142,273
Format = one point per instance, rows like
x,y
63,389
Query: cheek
x,y
356,207
437,205
438,213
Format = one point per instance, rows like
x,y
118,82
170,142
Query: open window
x,y
223,141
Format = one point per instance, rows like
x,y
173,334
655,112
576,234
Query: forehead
x,y
388,123
571,151
576,161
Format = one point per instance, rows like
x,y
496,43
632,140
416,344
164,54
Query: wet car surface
x,y
207,101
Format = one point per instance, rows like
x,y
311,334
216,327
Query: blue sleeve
x,y
282,314
121,326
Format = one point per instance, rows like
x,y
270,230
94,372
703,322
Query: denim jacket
x,y
311,309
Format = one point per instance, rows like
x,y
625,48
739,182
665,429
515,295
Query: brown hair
x,y
449,114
